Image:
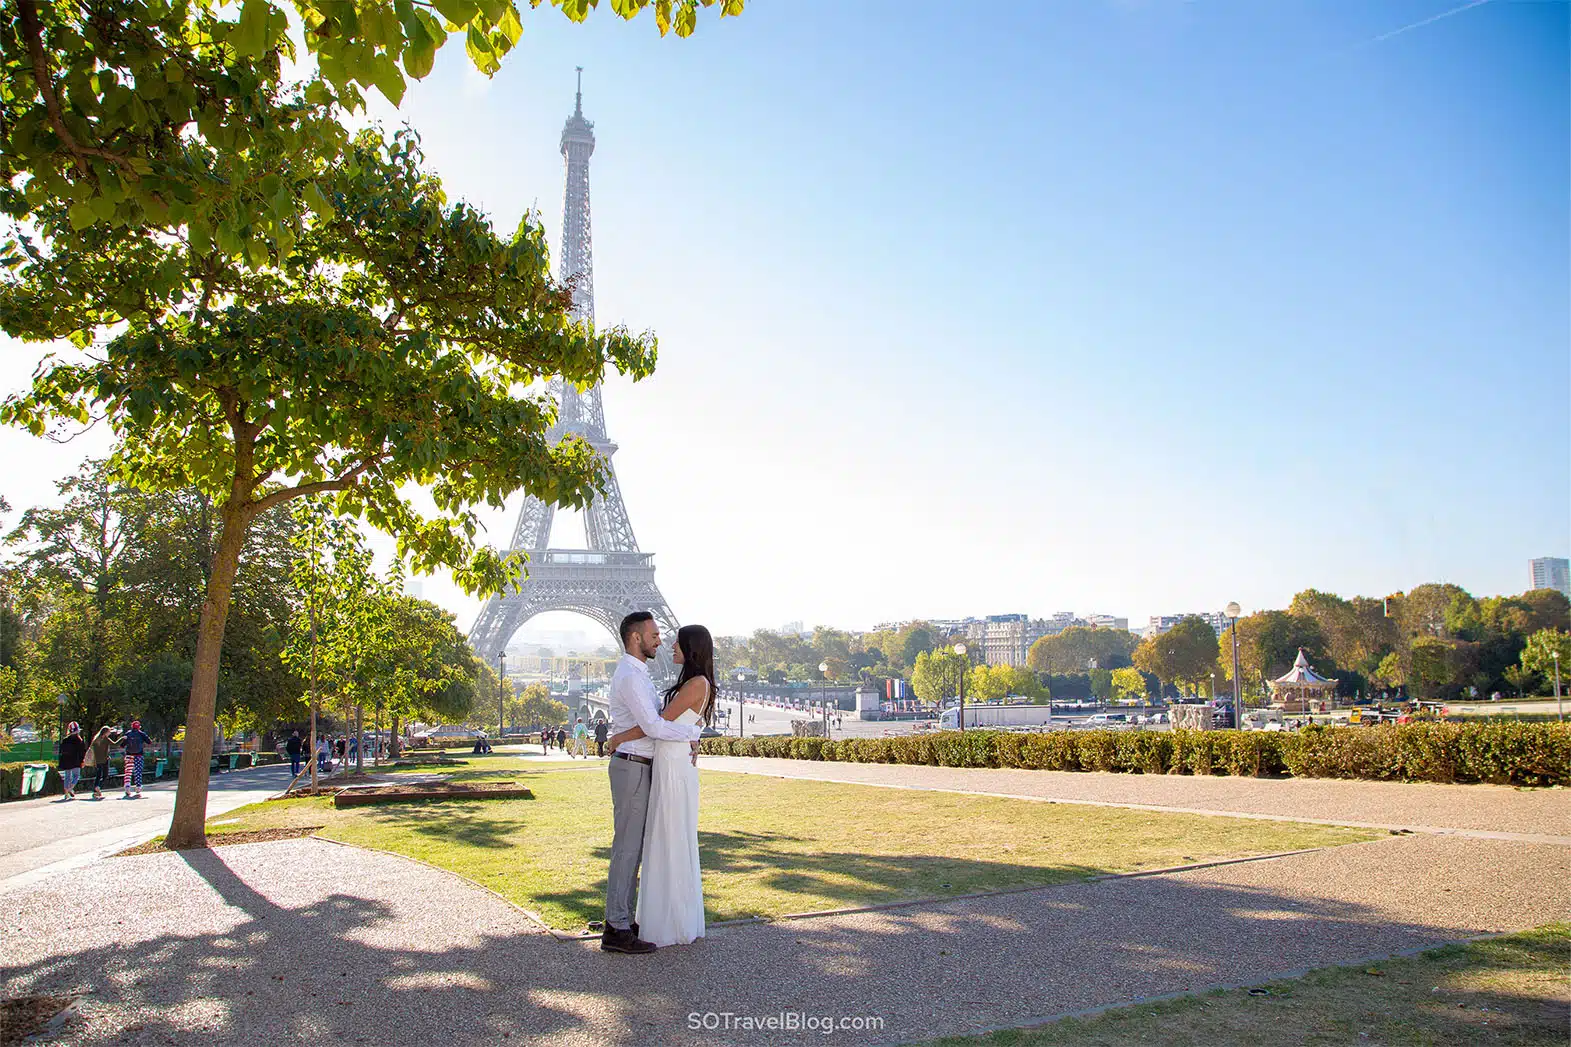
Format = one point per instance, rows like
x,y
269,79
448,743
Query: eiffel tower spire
x,y
612,577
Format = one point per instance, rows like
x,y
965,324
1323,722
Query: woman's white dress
x,y
670,889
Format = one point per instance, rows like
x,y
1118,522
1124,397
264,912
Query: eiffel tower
x,y
612,577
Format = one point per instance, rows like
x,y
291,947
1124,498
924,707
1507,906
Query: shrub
x,y
1504,752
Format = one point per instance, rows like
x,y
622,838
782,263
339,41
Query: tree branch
x,y
343,483
33,31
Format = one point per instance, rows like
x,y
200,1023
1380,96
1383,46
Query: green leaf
x,y
418,60
457,12
510,26
249,37
82,216
479,47
388,79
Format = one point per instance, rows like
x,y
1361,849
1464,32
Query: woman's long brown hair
x,y
698,659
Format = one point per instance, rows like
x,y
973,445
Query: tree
x,y
118,110
157,691
380,352
917,640
1356,633
1521,679
1433,664
1268,644
1072,650
936,675
1539,654
1128,684
985,683
1185,654
1101,683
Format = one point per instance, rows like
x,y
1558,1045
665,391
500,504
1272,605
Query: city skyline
x,y
1190,313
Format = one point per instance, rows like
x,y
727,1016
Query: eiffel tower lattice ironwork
x,y
612,577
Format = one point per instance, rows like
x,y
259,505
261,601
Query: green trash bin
x,y
158,768
234,761
33,777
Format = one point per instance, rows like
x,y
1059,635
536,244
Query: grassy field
x,y
774,846
1506,992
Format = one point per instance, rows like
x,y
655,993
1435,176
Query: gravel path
x,y
1483,811
305,941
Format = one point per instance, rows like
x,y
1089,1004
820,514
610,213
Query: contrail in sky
x,y
1419,25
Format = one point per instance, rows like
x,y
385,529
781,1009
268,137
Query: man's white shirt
x,y
633,703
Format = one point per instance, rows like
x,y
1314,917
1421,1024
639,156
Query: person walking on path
x,y
322,754
135,741
600,736
561,737
581,739
99,753
292,747
72,750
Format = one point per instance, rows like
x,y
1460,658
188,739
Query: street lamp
x,y
741,707
823,693
501,690
960,716
1232,611
1560,708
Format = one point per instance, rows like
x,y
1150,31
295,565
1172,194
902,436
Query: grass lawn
x,y
772,846
1506,992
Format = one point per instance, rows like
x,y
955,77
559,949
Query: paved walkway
x,y
1483,811
46,836
308,942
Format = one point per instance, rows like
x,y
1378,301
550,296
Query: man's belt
x,y
635,759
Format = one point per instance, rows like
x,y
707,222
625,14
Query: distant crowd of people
x,y
576,742
331,751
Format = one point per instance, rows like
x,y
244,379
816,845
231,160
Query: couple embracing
x,y
654,790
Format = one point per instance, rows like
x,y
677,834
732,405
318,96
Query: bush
x,y
1503,752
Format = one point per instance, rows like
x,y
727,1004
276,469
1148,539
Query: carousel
x,y
1301,689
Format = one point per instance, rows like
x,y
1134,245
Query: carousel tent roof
x,y
1301,675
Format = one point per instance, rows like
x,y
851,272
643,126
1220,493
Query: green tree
x,y
381,353
1072,650
1128,684
156,115
156,691
914,641
1538,656
1268,644
936,675
1102,683
1521,679
1185,654
1433,663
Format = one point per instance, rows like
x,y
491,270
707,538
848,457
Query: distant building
x,y
1107,621
1161,623
1056,623
1552,572
795,629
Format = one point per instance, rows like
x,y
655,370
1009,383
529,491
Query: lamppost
x,y
741,707
1232,611
1560,708
960,716
501,691
823,693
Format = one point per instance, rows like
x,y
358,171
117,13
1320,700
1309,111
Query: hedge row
x,y
11,780
1507,753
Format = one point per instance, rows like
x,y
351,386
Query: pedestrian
x,y
354,748
339,748
601,730
98,752
72,750
561,737
322,754
580,739
292,747
545,741
135,741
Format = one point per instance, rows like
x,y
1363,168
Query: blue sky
x,y
1123,306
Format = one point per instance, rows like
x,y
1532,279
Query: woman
x,y
671,890
100,748
72,749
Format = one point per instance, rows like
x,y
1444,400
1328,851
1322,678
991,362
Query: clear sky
x,y
1121,306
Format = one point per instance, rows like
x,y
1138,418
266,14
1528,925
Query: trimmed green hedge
x,y
11,780
1508,753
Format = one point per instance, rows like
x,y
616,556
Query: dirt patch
x,y
393,793
221,839
25,1015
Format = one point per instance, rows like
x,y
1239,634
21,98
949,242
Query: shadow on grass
x,y
825,879
447,821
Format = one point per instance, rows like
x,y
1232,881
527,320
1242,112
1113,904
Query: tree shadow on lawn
x,y
472,823
353,963
740,862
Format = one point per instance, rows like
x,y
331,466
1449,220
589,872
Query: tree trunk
x,y
186,828
392,737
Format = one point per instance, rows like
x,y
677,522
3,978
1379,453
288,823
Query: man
x,y
632,702
292,747
601,733
581,739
